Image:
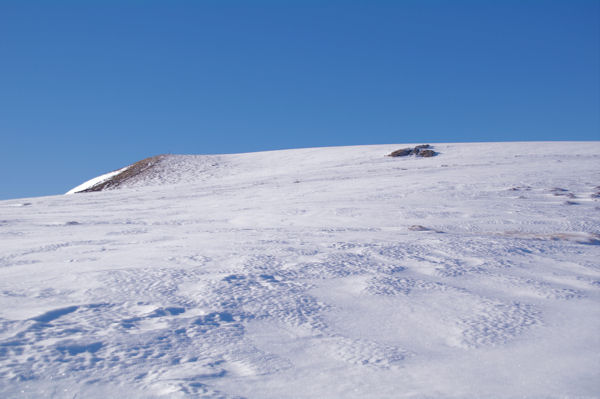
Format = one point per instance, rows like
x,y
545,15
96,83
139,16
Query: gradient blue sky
x,y
87,87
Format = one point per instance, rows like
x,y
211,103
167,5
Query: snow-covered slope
x,y
325,272
96,181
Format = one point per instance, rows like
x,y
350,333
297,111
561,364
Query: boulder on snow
x,y
422,150
426,153
401,152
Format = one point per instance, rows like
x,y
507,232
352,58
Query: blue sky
x,y
88,87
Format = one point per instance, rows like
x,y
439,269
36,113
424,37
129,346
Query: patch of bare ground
x,y
131,172
418,227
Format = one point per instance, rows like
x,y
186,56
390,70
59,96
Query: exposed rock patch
x,y
134,170
401,152
426,153
418,227
423,150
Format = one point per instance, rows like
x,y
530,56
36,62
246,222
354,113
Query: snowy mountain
x,y
313,273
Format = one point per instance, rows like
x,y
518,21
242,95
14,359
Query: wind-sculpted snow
x,y
333,272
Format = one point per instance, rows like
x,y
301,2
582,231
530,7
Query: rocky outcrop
x,y
423,150
131,172
426,153
401,152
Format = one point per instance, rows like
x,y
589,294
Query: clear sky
x,y
87,87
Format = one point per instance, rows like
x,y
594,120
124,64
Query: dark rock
x,y
426,153
401,152
420,151
418,227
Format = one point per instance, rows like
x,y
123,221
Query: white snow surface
x,y
312,273
95,180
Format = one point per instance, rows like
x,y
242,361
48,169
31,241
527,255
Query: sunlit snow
x,y
312,273
95,180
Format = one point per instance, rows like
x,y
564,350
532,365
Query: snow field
x,y
300,273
